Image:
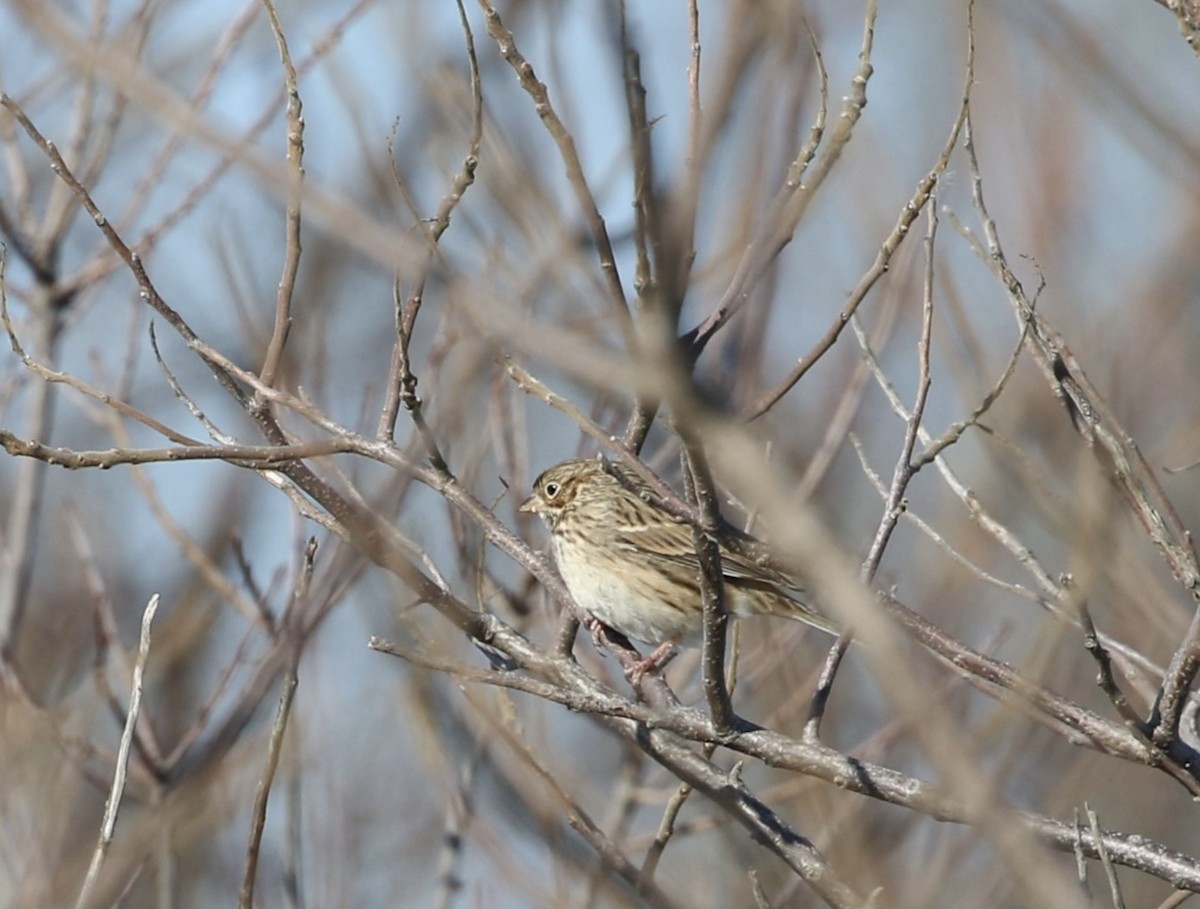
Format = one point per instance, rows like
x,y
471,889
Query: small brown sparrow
x,y
633,565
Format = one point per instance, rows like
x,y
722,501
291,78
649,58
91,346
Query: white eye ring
x,y
552,489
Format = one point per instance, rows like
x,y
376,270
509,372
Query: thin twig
x,y
113,803
1097,425
275,744
666,829
1176,899
908,214
402,381
1104,677
24,510
537,91
459,812
1110,871
261,795
700,488
295,185
902,474
790,203
658,293
258,457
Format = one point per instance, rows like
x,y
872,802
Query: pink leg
x,y
658,659
596,628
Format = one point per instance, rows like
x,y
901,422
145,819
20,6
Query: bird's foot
x,y
657,660
596,629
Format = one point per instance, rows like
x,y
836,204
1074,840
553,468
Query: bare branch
x,y
113,804
537,91
295,168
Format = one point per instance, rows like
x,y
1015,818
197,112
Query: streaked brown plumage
x,y
633,565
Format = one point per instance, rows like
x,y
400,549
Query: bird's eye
x,y
552,489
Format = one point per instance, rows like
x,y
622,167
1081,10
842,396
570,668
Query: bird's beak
x,y
529,506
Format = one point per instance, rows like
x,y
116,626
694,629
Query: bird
x,y
633,565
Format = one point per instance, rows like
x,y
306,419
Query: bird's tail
x,y
801,612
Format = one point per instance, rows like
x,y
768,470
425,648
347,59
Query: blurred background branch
x,y
579,229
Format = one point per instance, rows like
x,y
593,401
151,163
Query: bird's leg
x,y
658,659
596,628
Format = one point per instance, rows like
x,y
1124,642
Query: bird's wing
x,y
741,568
672,542
664,539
